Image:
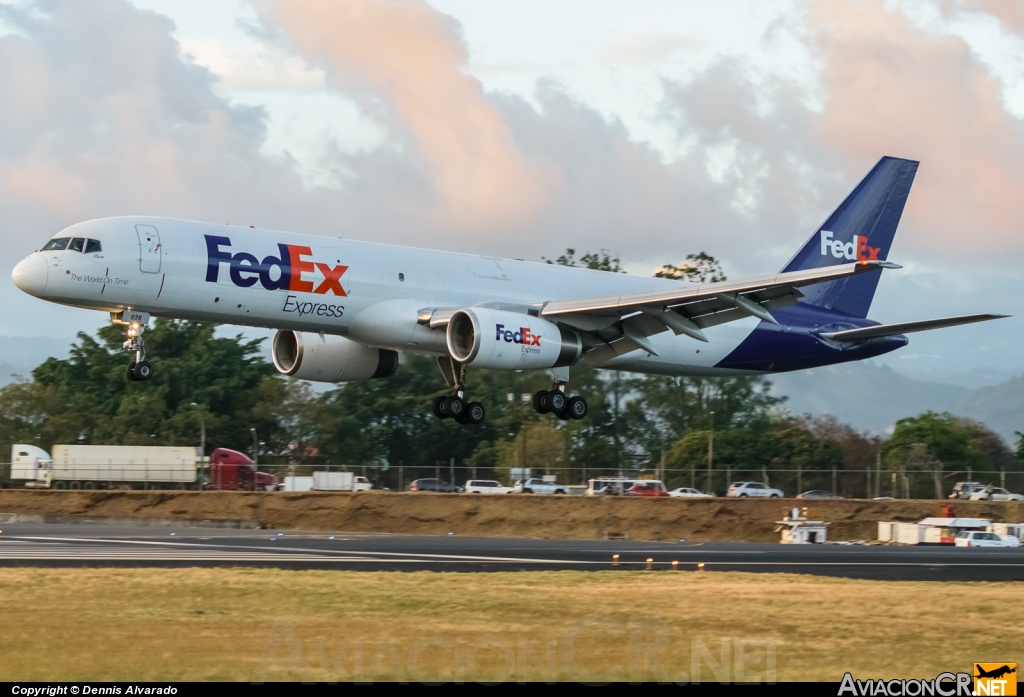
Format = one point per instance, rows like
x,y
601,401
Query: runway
x,y
109,546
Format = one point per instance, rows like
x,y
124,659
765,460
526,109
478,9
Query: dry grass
x,y
241,624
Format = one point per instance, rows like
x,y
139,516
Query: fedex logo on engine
x,y
294,271
858,250
523,336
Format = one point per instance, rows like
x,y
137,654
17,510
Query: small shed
x,y
945,530
1008,530
797,530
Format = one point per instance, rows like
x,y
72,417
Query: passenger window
x,y
93,246
77,244
56,244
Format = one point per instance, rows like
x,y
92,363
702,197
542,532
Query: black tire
x,y
560,491
89,485
74,485
553,402
742,496
476,413
774,496
538,402
577,408
564,415
527,491
60,485
131,372
455,406
143,371
438,407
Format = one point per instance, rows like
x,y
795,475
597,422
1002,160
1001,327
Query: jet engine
x,y
326,358
479,336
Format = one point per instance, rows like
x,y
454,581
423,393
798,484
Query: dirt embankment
x,y
497,516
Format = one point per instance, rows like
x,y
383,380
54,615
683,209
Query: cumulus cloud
x,y
412,57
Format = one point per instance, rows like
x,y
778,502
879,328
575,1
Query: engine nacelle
x,y
326,358
489,338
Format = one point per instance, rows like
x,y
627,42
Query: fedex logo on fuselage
x,y
858,250
295,272
523,336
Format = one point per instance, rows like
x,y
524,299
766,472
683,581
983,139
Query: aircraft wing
x,y
618,324
882,330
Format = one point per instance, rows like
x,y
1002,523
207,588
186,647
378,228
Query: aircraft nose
x,y
30,274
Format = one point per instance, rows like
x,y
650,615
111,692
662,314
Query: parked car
x,y
994,493
647,487
974,538
539,486
963,490
486,486
431,484
742,490
818,494
689,493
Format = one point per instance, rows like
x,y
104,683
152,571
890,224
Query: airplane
x,y
344,309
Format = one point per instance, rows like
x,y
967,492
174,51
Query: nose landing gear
x,y
140,369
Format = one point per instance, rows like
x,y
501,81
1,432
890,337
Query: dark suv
x,y
432,485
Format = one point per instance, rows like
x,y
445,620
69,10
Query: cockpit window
x,y
77,244
56,243
93,246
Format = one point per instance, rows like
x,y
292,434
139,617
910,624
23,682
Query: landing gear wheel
x,y
438,407
142,371
553,401
538,404
577,408
131,372
564,415
455,406
475,413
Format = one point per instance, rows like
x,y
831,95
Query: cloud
x,y
412,57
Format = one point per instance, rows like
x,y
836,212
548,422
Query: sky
x,y
652,128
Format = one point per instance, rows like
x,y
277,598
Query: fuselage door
x,y
150,250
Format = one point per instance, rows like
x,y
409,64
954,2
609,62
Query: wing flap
x,y
883,330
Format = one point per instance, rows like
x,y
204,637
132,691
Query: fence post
x,y
867,490
833,481
799,479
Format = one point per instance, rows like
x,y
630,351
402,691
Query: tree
x,y
698,268
602,260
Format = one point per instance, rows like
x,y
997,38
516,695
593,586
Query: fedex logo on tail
x,y
858,250
523,336
294,271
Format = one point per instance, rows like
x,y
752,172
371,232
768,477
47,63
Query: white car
x,y
539,486
994,493
688,493
741,490
486,486
974,538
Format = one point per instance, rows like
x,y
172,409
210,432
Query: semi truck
x,y
131,467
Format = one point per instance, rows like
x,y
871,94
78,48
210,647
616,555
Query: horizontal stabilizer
x,y
883,330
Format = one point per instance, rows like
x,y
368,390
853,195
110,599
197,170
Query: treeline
x,y
636,423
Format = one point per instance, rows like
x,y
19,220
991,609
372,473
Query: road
x,y
109,546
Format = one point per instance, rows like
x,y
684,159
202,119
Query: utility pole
x,y
711,449
661,474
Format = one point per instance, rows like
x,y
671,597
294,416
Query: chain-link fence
x,y
864,483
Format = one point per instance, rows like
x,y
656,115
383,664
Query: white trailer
x,y
117,466
340,481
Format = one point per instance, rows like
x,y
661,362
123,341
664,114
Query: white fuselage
x,y
367,291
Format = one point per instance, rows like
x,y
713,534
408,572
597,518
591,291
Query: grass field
x,y
265,625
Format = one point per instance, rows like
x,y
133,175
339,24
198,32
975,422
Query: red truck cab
x,y
231,470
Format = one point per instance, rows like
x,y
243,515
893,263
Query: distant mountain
x,y
873,398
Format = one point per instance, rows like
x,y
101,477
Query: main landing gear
x,y
555,402
140,369
455,406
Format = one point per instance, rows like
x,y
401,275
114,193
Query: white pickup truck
x,y
539,486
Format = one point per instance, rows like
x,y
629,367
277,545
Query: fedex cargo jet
x,y
345,309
